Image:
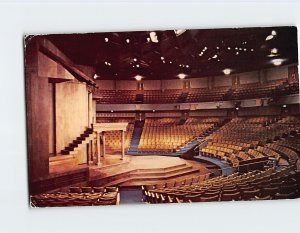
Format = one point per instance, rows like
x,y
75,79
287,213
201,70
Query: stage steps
x,y
136,136
146,175
77,143
62,160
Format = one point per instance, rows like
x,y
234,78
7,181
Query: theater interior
x,y
175,116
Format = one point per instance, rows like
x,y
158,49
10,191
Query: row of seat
x,y
255,185
77,196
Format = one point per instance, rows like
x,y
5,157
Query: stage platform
x,y
135,170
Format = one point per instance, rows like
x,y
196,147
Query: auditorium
x,y
152,117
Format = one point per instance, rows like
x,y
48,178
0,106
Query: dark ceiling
x,y
197,53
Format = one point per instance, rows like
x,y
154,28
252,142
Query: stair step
x,y
65,152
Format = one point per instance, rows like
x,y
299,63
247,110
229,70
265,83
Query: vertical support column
x,y
123,144
98,149
103,139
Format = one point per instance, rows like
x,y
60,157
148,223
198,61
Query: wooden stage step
x,y
145,175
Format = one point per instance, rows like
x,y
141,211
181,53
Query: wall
x,y
152,84
71,112
172,84
221,81
199,82
249,77
126,85
105,84
277,73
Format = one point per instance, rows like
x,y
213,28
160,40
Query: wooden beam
x,y
68,65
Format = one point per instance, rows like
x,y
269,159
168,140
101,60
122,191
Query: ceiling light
x,y
284,106
227,71
111,110
273,33
170,62
240,49
106,39
153,110
164,61
236,48
215,56
105,63
148,39
153,37
237,108
245,49
96,76
237,53
134,59
245,42
228,48
277,62
187,66
274,50
269,37
127,41
217,47
162,58
181,76
138,77
205,48
252,50
137,65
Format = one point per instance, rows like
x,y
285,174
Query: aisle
x,y
131,196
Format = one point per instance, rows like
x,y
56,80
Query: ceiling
x,y
196,53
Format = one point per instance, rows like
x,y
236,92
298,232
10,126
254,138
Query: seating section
x,y
78,196
159,97
206,94
251,138
115,97
255,90
169,134
264,185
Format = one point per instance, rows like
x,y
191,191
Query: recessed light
x,y
127,41
105,63
215,56
274,50
236,48
284,106
170,62
237,53
164,61
137,65
162,58
237,108
187,66
245,49
273,33
217,47
252,50
106,39
228,48
153,37
240,49
111,110
227,71
153,110
181,76
134,59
